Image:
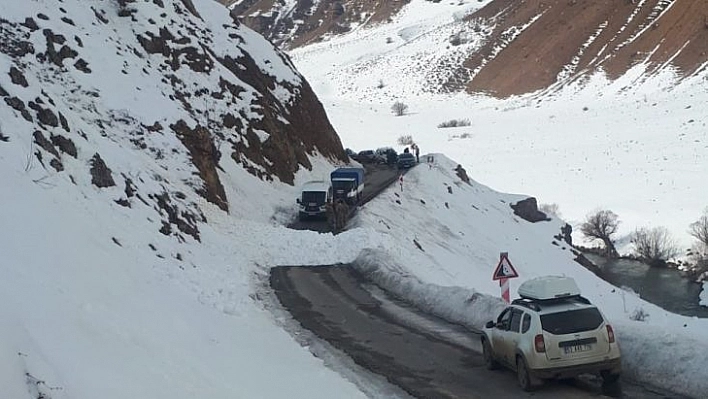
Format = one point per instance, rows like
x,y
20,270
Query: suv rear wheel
x,y
489,356
526,382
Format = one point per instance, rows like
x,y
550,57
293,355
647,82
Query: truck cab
x,y
313,199
348,183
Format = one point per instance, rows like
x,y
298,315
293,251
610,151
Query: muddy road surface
x,y
425,356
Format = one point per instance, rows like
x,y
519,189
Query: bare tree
x,y
399,108
655,246
699,229
602,225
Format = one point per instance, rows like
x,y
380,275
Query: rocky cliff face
x,y
153,96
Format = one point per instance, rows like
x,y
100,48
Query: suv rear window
x,y
571,321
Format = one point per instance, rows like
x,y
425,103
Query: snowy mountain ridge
x,y
508,47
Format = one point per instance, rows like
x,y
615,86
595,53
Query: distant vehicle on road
x,y
552,332
386,155
406,160
313,197
366,156
348,184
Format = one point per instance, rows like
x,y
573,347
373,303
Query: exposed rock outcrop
x,y
101,175
205,157
462,174
528,210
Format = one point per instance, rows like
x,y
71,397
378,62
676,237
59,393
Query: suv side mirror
x,y
490,324
297,200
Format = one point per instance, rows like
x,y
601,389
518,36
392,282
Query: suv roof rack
x,y
538,304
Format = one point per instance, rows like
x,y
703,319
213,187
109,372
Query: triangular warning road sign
x,y
504,269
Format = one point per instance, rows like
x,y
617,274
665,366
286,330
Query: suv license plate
x,y
576,348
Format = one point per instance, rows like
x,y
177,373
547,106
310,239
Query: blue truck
x,y
348,184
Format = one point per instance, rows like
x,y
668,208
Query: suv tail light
x,y
539,343
610,334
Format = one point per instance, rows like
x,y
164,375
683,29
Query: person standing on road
x,y
329,212
341,212
400,181
417,154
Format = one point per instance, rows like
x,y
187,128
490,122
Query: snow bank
x,y
443,239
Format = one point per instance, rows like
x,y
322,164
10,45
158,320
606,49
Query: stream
x,y
664,287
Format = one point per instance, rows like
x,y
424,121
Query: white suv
x,y
552,332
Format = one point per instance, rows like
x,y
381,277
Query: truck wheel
x,y
489,356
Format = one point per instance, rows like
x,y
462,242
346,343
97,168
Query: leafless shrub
x,y
639,315
654,245
602,225
405,140
455,123
399,108
381,84
550,209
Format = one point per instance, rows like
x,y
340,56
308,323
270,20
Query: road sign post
x,y
503,272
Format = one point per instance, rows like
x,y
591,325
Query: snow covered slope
x,y
504,47
635,145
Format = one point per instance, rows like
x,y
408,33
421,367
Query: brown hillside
x,y
307,22
580,36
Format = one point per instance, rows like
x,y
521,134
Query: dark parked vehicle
x,y
386,155
406,160
366,156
